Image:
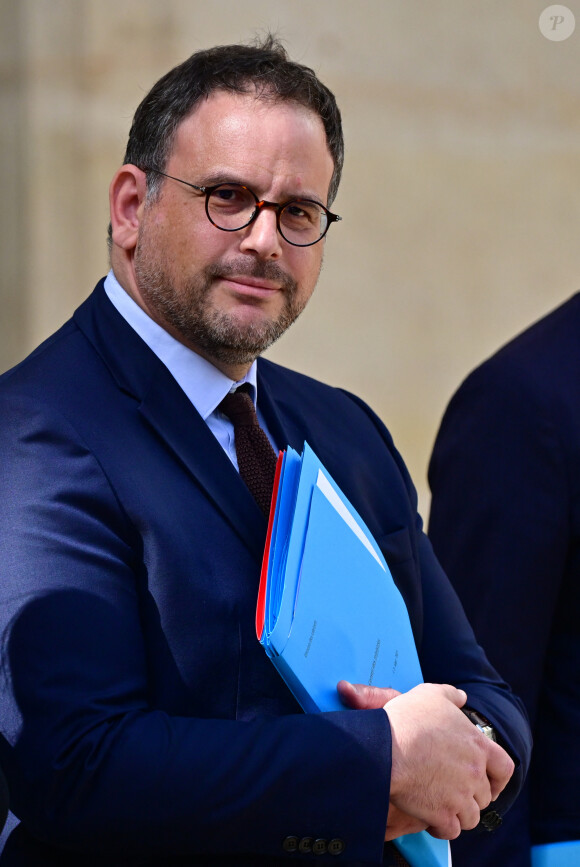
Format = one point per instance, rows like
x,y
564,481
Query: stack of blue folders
x,y
328,608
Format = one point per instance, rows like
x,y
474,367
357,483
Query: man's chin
x,y
247,343
250,316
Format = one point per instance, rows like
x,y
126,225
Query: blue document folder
x,y
566,854
329,608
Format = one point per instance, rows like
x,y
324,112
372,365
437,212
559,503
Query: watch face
x,y
488,732
483,724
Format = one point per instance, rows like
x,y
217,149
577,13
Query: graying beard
x,y
215,334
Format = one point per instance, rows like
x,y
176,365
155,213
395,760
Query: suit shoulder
x,y
330,408
61,373
44,358
317,399
556,333
279,376
283,379
63,360
542,362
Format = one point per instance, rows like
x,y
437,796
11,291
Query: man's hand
x,y
444,770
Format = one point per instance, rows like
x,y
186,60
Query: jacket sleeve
x,y
448,649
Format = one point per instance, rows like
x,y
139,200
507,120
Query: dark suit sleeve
x,y
94,766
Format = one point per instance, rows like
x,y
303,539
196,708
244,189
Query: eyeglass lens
x,y
232,206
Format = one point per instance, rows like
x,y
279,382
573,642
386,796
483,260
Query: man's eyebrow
x,y
223,178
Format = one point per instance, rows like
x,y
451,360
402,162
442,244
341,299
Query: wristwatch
x,y
490,819
483,724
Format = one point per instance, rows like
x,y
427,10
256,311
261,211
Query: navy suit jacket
x,y
142,720
505,524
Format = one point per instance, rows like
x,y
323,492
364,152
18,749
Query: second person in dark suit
x,y
505,524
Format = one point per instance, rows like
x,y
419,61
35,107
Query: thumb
x,y
359,696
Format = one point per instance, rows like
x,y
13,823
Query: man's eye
x,y
296,211
226,195
233,197
303,213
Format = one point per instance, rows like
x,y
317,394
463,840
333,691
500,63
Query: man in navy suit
x,y
143,723
505,523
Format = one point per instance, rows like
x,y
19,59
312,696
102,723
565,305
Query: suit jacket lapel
x,y
174,418
139,372
272,405
283,408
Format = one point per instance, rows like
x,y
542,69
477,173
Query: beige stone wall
x,y
460,197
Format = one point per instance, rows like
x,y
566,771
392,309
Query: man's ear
x,y
126,199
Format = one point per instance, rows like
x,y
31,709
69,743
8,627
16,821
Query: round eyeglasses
x,y
231,207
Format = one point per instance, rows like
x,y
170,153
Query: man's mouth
x,y
256,287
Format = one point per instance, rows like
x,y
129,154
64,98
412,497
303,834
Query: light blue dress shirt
x,y
204,384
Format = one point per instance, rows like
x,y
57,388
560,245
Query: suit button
x,y
306,844
491,820
336,846
319,846
290,844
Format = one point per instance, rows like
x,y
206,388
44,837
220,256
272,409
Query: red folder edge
x,y
261,603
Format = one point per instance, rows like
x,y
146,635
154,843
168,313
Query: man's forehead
x,y
222,103
253,130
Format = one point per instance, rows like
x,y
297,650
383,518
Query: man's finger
x,y
500,768
399,823
361,697
449,829
457,696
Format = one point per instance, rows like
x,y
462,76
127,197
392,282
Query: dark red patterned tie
x,y
256,457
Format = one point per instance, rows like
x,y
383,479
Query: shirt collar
x,y
202,382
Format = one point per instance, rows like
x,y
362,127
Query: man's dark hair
x,y
264,68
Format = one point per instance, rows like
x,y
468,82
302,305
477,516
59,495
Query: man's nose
x,y
262,235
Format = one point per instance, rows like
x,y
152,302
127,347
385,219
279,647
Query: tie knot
x,y
239,407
